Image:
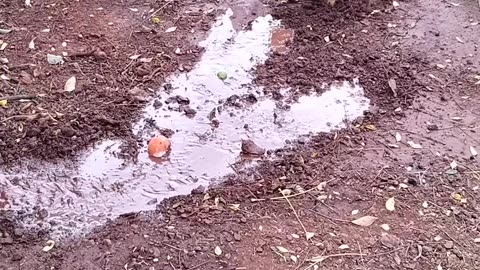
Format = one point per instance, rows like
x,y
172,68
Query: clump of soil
x,y
119,53
340,43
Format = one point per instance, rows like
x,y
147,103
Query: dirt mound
x,y
342,43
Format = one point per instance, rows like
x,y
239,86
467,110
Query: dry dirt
x,y
330,181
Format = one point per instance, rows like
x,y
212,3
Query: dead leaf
x,y
393,86
395,4
49,246
55,59
414,145
133,9
371,127
425,204
460,40
294,235
31,45
385,227
473,151
282,249
171,29
27,3
458,197
134,57
322,197
391,145
145,60
398,137
476,240
5,31
309,235
3,103
439,267
332,2
390,204
322,186
47,30
206,196
218,251
4,60
3,46
453,165
293,258
70,84
327,39
286,192
365,221
354,212
235,207
344,246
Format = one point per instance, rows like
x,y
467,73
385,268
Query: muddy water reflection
x,y
103,187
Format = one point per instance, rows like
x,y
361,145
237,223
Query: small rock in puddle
x,y
188,110
249,147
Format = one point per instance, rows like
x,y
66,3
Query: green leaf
x,y
222,75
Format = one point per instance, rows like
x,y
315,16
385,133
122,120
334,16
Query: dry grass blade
x,y
296,215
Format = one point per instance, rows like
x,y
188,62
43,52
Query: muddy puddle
x,y
209,117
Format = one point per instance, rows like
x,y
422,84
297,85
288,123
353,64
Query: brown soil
x,y
101,37
332,180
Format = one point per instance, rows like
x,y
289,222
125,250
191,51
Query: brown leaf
x,y
365,221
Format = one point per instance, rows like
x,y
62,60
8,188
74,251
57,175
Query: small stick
x,y
173,267
18,97
330,218
295,212
156,11
174,247
198,265
361,256
290,196
323,258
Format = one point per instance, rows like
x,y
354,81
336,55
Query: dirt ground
x,y
119,52
397,189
